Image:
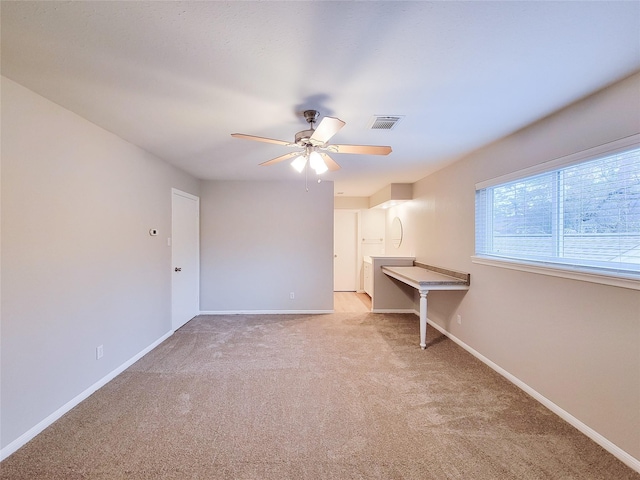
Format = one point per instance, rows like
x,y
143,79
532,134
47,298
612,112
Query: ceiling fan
x,y
314,144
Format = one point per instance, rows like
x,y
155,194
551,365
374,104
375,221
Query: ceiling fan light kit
x,y
299,163
317,163
314,141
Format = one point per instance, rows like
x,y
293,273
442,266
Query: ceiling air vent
x,y
385,122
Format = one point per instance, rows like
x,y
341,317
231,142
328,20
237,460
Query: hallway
x,y
351,302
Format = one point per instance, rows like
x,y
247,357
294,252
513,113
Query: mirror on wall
x,y
396,232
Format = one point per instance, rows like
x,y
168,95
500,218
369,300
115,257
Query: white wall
x,y
79,268
262,240
576,343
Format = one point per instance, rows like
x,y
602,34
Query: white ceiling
x,y
177,78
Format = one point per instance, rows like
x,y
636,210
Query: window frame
x,y
605,276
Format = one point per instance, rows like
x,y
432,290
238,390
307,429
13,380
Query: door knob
x,y
335,256
178,269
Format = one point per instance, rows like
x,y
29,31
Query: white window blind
x,y
585,214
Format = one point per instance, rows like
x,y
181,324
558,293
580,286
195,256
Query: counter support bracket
x,y
423,318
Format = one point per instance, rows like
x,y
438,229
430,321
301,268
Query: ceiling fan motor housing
x,y
303,139
311,116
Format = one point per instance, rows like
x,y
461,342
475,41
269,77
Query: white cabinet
x,y
368,277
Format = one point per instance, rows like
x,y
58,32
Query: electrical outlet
x,y
99,352
292,295
459,319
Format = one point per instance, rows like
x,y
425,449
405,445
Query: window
x,y
581,214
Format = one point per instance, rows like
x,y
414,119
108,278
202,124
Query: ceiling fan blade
x,y
260,139
281,158
327,128
330,162
361,149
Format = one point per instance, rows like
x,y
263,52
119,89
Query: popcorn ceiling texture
x,y
340,396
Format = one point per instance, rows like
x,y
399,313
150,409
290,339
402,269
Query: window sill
x,y
594,276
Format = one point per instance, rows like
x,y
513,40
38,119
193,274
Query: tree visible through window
x,y
586,214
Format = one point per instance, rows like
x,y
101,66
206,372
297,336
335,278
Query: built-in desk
x,y
425,278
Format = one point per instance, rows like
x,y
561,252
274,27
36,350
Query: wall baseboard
x,y
609,446
35,430
264,312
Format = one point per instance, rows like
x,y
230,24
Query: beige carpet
x,y
342,396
